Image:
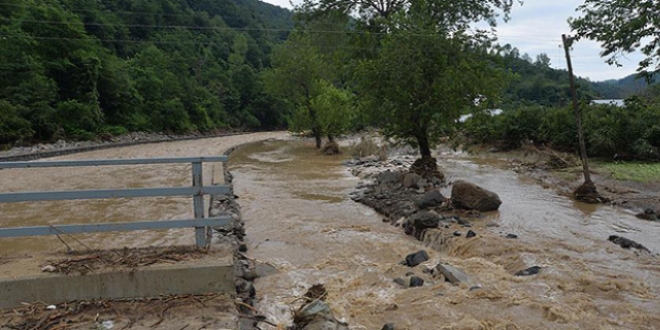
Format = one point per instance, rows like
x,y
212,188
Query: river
x,y
300,219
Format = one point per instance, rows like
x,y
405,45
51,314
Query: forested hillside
x,y
622,88
536,82
77,68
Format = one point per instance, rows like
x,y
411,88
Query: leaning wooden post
x,y
576,108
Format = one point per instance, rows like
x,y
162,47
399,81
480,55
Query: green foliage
x,y
72,68
308,76
633,171
12,126
610,131
334,107
417,87
622,26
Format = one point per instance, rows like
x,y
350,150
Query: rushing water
x,y
300,219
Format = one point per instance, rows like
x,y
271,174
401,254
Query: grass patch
x,y
632,171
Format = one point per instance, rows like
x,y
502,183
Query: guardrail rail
x,y
197,191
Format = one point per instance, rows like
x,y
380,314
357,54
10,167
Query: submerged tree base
x,y
330,148
588,193
427,166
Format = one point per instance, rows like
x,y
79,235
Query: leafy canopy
x,y
622,26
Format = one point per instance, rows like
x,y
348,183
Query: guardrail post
x,y
198,203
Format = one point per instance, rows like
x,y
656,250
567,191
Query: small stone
x,y
427,271
529,271
452,274
409,274
388,326
492,224
470,233
512,236
416,281
49,269
400,281
476,287
51,307
242,247
410,180
458,233
416,258
431,199
627,243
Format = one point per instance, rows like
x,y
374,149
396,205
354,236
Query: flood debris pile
x,y
91,261
152,313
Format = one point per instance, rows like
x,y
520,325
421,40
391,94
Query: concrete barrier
x,y
188,277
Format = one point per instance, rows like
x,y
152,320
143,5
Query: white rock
x,y
49,269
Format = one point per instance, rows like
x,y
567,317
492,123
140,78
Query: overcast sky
x,y
536,27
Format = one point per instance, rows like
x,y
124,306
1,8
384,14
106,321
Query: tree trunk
x,y
576,109
331,138
317,136
423,143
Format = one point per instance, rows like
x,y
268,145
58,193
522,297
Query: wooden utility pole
x,y
578,118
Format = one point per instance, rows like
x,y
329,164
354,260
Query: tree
x,y
622,26
423,80
308,72
457,14
297,72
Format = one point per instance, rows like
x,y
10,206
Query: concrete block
x,y
216,276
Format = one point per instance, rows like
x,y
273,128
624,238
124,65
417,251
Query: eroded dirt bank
x,y
301,220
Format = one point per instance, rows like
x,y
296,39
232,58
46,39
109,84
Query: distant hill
x,y
621,88
536,82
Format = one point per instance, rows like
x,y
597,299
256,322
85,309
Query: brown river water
x,y
299,218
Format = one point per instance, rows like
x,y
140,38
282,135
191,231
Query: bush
x,y
631,130
12,126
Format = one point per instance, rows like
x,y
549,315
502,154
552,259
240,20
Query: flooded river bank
x,y
300,219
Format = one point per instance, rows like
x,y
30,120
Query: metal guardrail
x,y
197,191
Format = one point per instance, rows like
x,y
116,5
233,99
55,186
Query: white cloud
x,y
536,27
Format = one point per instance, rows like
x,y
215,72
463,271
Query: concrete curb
x,y
215,276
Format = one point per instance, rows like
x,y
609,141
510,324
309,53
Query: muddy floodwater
x,y
300,219
111,210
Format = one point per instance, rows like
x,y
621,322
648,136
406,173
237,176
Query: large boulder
x,y
468,196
